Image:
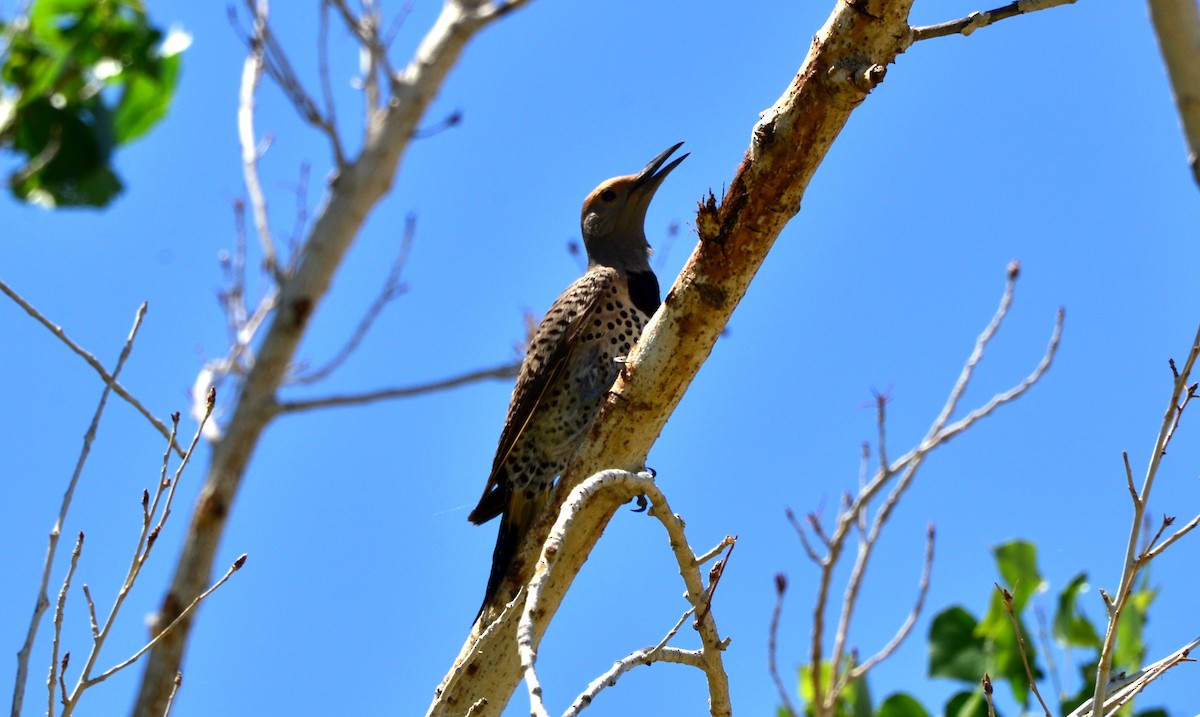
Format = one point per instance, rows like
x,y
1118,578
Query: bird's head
x,y
614,215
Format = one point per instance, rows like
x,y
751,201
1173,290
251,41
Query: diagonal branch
x,y
504,372
966,25
42,603
90,360
847,60
392,288
1177,26
349,200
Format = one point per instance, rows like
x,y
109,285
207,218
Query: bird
x,y
573,359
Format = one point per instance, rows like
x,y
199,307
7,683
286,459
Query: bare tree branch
x,y
1181,396
275,62
90,360
56,668
358,187
42,602
847,60
252,71
974,21
1007,598
785,695
504,372
392,288
1158,549
909,622
1123,690
1177,25
593,496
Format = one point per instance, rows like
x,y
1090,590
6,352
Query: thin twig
x,y
1181,395
233,269
252,71
366,30
708,658
714,579
808,548
146,541
59,611
974,21
87,596
237,565
450,121
1048,651
507,371
1158,549
644,656
393,287
987,694
716,550
772,635
909,622
174,691
1123,690
851,514
90,360
1012,616
42,602
279,68
300,222
323,65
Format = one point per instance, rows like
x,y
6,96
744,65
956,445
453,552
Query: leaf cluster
x,y
964,647
78,79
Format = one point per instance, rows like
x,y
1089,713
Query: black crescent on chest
x,y
643,291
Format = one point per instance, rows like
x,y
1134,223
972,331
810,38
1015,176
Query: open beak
x,y
646,181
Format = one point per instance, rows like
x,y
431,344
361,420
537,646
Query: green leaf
x,y
955,651
1070,626
68,152
902,705
854,701
146,99
1017,562
82,77
968,704
1130,649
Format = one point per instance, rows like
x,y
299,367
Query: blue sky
x,y
1051,139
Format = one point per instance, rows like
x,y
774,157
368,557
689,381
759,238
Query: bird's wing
x,y
544,363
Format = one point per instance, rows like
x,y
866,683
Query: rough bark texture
x,y
350,199
848,58
1177,24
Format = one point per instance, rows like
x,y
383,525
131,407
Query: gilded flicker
x,y
573,358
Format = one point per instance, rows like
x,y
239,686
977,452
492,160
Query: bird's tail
x,y
514,524
507,541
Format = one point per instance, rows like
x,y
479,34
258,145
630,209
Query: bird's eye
x,y
608,194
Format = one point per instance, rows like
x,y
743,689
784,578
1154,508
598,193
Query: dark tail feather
x,y
508,539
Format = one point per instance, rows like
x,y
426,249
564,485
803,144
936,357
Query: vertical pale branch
x,y
1135,557
359,186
